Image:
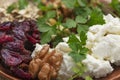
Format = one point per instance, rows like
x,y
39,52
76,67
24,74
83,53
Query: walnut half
x,y
46,64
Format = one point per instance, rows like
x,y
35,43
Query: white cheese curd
x,y
63,48
37,49
97,68
104,40
65,71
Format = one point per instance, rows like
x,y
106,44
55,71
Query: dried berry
x,y
10,58
16,43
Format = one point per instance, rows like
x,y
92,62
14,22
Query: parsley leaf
x,y
80,19
37,1
46,36
50,14
69,3
70,23
22,4
77,45
88,78
82,3
96,17
74,42
116,6
11,8
83,28
77,57
83,38
44,27
78,53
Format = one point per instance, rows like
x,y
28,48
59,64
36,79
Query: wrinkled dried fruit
x,y
11,58
21,74
17,40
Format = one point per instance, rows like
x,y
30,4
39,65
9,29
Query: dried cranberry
x,y
20,73
19,34
31,39
5,26
26,58
6,38
10,58
16,43
25,26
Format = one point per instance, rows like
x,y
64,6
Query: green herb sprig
x,y
21,4
79,51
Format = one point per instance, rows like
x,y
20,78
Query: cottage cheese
x,y
104,40
65,71
97,68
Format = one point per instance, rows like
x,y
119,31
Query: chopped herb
x,y
115,4
70,23
96,17
80,19
22,4
78,53
47,36
82,28
11,7
69,3
88,78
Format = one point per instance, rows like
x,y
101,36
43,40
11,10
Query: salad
x,y
60,39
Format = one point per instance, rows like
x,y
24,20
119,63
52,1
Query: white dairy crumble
x,y
104,44
96,67
104,40
66,68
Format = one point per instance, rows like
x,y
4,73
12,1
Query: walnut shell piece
x,y
45,65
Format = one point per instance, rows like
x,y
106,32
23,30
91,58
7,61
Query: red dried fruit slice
x,y
10,58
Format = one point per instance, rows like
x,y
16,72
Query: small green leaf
x,y
70,23
42,20
83,11
57,40
80,19
51,14
69,3
22,4
81,28
84,50
116,6
83,37
96,17
46,36
74,42
77,57
37,1
82,3
11,8
42,7
88,78
44,27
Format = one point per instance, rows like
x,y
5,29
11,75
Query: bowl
x,y
5,75
115,75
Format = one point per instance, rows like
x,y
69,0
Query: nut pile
x,y
45,65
